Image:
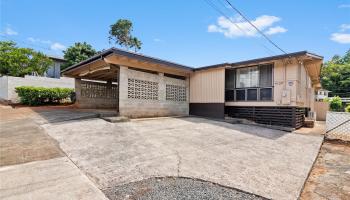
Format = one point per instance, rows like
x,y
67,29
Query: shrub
x,y
39,95
347,108
335,104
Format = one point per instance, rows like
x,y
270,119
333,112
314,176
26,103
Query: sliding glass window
x,y
253,83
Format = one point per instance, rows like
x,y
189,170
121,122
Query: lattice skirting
x,y
279,116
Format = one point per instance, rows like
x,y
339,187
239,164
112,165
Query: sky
x,y
191,32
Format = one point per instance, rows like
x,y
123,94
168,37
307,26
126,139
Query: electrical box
x,y
286,97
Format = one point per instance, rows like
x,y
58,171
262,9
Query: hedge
x,y
39,95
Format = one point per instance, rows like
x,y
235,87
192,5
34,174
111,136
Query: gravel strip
x,y
175,188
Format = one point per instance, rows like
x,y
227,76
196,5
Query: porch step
x,y
309,123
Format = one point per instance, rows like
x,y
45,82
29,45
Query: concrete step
x,y
116,119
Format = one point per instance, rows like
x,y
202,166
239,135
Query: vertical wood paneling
x,y
208,86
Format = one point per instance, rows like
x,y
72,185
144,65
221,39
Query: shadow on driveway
x,y
248,129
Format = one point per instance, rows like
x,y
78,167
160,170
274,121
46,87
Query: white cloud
x,y
343,38
344,6
241,28
157,40
57,46
276,29
37,40
9,31
344,27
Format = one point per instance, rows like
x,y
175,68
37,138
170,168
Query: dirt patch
x,y
330,176
22,140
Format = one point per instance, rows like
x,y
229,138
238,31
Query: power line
x,y
210,3
263,34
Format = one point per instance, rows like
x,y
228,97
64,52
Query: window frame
x,y
258,99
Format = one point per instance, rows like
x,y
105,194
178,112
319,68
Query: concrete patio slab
x,y
270,163
56,178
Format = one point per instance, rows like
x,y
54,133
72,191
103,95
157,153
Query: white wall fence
x,y
9,83
338,126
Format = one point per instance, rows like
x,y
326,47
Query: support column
x,y
123,90
162,88
77,91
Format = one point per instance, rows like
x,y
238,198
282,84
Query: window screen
x,y
252,94
240,95
265,76
265,94
247,77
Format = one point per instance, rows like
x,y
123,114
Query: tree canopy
x,y
16,61
77,53
120,33
335,75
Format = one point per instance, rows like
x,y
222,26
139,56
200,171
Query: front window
x,y
247,77
249,83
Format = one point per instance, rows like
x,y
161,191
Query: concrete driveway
x,y
270,163
32,166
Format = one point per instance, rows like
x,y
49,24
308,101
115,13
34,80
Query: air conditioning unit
x,y
312,115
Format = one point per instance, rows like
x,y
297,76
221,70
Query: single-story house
x,y
322,94
277,90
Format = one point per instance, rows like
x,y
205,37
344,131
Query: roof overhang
x,y
298,55
107,60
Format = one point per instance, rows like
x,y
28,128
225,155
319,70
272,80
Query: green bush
x,y
347,108
39,95
335,104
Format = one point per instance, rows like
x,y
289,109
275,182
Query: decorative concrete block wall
x,y
9,83
143,94
91,94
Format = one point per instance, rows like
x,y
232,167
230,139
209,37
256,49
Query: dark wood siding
x,y
212,110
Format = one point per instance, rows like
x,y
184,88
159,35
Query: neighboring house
x,y
277,90
322,94
55,70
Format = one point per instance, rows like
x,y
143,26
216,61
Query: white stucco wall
x,y
9,83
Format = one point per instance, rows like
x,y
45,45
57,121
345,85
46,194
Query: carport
x,y
134,84
97,85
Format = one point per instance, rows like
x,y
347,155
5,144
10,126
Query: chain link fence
x,y
338,126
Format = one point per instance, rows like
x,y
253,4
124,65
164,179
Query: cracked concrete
x,y
178,163
270,163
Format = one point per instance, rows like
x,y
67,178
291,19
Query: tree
x,y
120,33
16,61
77,53
335,104
335,75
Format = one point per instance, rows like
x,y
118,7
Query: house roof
x,y
130,55
57,58
247,62
142,57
